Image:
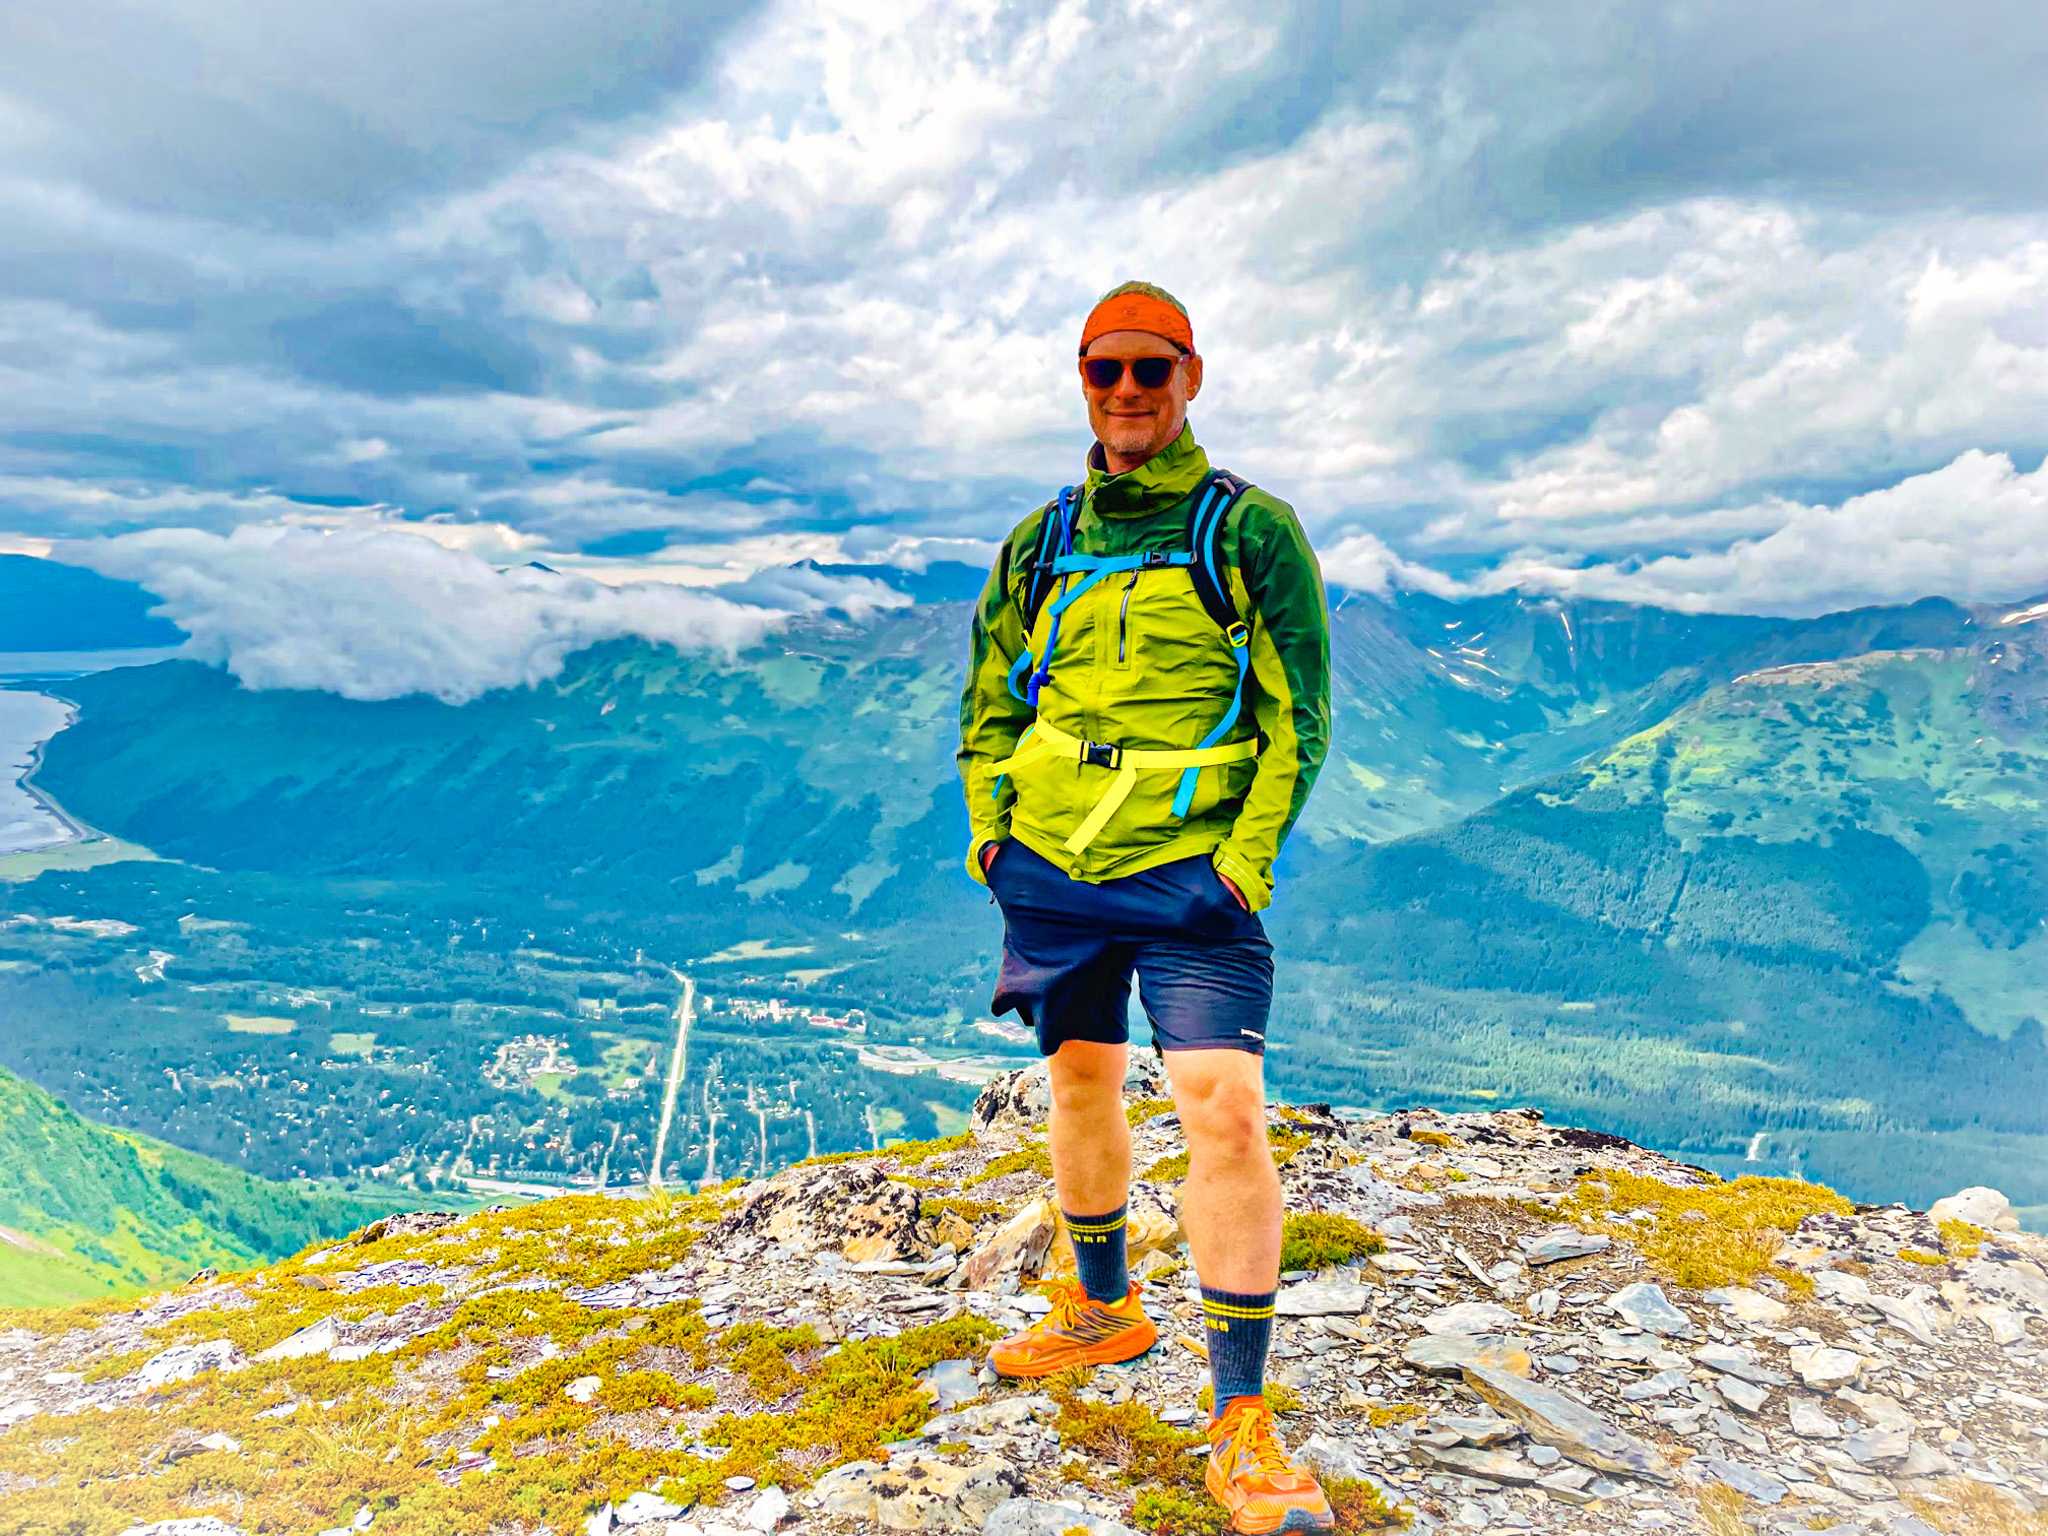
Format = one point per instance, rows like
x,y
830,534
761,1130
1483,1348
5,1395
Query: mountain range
x,y
1766,891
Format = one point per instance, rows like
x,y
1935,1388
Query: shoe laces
x,y
1259,1440
1068,1299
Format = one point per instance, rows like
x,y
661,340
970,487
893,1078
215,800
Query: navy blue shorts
x,y
1205,968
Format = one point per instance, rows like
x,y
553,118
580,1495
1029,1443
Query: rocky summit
x,y
1487,1323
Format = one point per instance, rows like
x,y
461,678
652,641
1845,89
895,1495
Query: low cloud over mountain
x,y
372,613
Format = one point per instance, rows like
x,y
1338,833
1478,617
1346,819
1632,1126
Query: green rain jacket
x,y
1142,664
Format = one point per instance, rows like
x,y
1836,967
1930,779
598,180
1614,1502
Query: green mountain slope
x,y
1807,906
88,1211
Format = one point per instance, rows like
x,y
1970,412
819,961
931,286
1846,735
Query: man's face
x,y
1132,422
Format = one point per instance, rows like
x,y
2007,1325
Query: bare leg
x,y
1090,1138
1230,1204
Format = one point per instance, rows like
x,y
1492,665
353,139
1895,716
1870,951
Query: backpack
x,y
1208,509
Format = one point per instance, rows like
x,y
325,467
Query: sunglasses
x,y
1108,372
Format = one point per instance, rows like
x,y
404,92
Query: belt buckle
x,y
1102,754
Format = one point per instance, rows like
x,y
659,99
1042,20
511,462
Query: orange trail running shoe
x,y
1077,1331
1256,1481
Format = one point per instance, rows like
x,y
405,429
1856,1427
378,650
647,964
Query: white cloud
x,y
1364,564
373,613
845,271
1976,527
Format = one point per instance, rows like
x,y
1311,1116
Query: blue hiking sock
x,y
1099,1253
1238,1327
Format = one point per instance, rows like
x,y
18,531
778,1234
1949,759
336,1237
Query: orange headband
x,y
1138,312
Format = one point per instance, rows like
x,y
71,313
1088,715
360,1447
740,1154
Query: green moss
x,y
1032,1157
1921,1256
1429,1138
1177,1511
973,1212
908,1153
1317,1240
1361,1507
1142,1110
1962,1239
1383,1415
1707,1234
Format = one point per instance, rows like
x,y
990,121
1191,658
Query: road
x,y
684,1007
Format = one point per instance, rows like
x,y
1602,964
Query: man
x,y
1134,753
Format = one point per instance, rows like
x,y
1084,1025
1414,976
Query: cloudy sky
x,y
1721,304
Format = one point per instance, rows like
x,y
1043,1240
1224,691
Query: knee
x,y
1225,1124
1084,1081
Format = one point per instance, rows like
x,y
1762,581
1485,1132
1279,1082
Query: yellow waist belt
x,y
1041,740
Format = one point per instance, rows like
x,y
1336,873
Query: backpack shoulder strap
x,y
1208,513
1055,537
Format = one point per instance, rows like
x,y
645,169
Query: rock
x,y
2019,1283
1879,1410
1749,1306
1638,1348
951,1381
1834,1285
1017,1249
1824,1367
1644,1306
1328,1456
1732,1361
1747,1481
314,1339
199,1525
182,1362
1038,1517
2002,1323
1024,1098
1325,1298
1925,1461
918,1492
1663,1384
1912,1314
1730,1428
854,1208
1809,1423
1494,1466
1980,1206
1447,1354
599,1522
220,1440
1554,1419
407,1224
1745,1395
1567,1485
769,1509
739,1484
583,1389
1563,1243
1479,1432
1469,1317
644,1509
1875,1447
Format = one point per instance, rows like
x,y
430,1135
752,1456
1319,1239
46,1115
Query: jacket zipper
x,y
1123,619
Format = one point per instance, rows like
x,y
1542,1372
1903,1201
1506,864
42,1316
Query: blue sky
x,y
1723,305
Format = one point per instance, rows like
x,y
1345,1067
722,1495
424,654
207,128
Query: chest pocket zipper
x,y
1123,623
